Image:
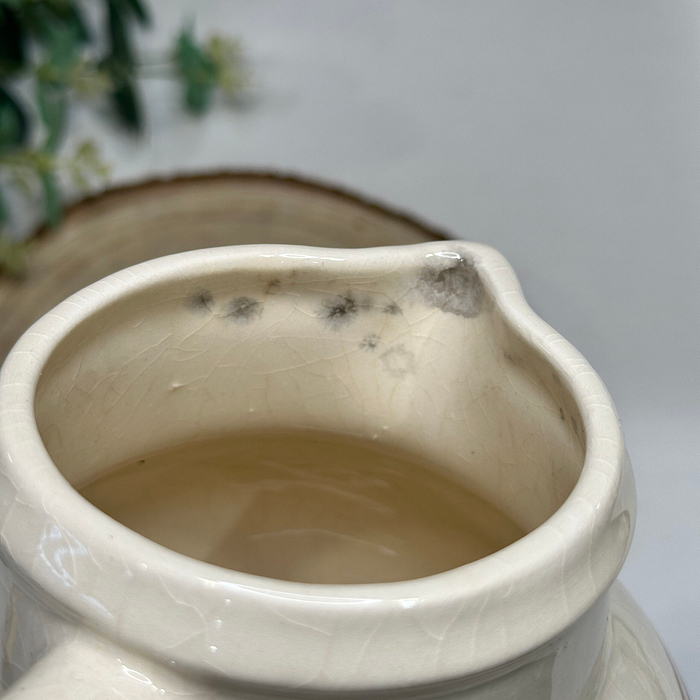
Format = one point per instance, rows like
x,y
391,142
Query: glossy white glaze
x,y
461,369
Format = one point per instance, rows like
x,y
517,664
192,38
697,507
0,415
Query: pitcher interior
x,y
355,377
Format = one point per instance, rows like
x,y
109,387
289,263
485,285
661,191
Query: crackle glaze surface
x,y
430,347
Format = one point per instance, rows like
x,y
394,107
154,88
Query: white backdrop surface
x,y
567,135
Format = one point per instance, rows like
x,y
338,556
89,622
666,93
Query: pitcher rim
x,y
535,588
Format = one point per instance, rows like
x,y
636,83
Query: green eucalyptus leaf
x,y
120,44
74,19
52,101
59,15
186,50
43,18
127,105
13,122
64,44
119,65
12,55
198,72
34,18
52,198
192,61
138,9
198,97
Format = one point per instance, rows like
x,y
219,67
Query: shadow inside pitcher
x,y
303,506
310,427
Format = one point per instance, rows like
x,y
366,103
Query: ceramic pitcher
x,y
429,346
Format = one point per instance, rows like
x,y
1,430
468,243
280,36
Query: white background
x,y
565,134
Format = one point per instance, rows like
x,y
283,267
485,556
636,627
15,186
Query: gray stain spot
x,y
370,342
202,300
340,309
243,309
398,361
392,309
561,413
456,289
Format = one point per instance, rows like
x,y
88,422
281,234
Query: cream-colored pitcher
x,y
427,349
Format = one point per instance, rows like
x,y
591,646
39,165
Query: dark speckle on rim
x,y
202,300
370,342
243,309
456,288
340,309
273,286
392,309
